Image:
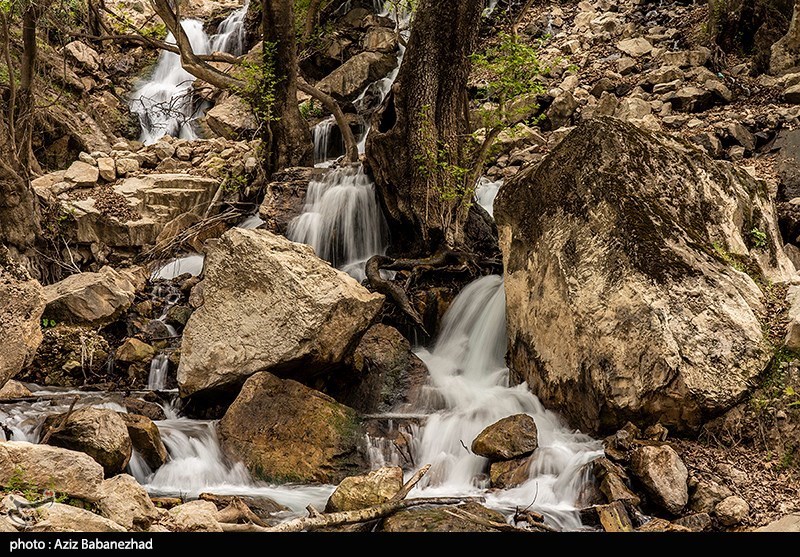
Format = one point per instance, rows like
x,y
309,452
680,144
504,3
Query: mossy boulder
x,y
439,519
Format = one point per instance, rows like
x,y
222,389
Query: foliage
x,y
260,83
759,238
310,109
434,161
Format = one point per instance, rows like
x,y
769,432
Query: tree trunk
x,y
288,136
311,19
417,146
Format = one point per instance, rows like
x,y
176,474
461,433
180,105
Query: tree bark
x,y
311,19
288,136
330,104
418,137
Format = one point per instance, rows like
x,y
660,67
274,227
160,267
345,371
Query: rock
x,y
719,90
699,522
125,502
632,109
741,135
143,408
732,510
165,149
100,433
379,39
65,355
636,47
614,517
127,166
285,197
65,518
663,475
788,523
14,389
347,81
691,99
83,55
294,311
687,58
360,492
89,298
650,351
22,303
386,373
661,525
706,496
788,165
44,467
195,516
179,315
508,438
613,482
134,350
792,339
560,112
626,66
284,431
146,439
664,74
82,174
438,519
107,169
506,474
232,119
87,158
792,94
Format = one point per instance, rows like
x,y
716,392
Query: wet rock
x,y
439,520
144,408
232,119
386,374
22,303
126,503
508,438
699,522
297,313
194,516
146,439
100,433
379,39
347,81
284,431
506,474
89,298
706,496
44,467
65,518
732,510
360,492
613,482
179,315
663,475
82,174
135,351
285,197
14,389
645,328
614,517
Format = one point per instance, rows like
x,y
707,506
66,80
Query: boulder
x,y
82,174
134,350
560,112
706,496
732,510
613,482
291,311
285,197
438,519
691,99
144,408
347,81
126,502
284,431
232,119
699,522
614,517
508,438
195,516
89,298
360,492
98,432
379,39
687,58
788,523
792,94
635,47
22,303
83,55
107,169
65,518
146,439
386,375
663,475
639,235
506,474
14,389
41,466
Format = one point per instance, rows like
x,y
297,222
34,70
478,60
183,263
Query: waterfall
x,y
230,33
158,373
485,192
322,138
191,264
469,376
164,103
342,220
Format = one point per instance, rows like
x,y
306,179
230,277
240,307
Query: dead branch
x,y
330,104
142,40
390,288
238,511
61,425
409,485
501,526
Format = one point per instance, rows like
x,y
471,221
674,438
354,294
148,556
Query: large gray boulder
x,y
347,81
285,432
270,304
232,118
41,466
89,298
663,475
626,299
22,303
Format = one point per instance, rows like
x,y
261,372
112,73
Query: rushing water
x,y
342,220
486,192
230,35
469,377
192,264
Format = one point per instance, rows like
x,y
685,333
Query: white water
x,y
157,379
486,192
164,103
321,136
469,376
192,264
230,33
342,220
251,222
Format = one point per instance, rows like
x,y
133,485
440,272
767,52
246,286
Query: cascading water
x,y
230,35
485,193
157,379
165,103
191,264
469,377
321,136
342,220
